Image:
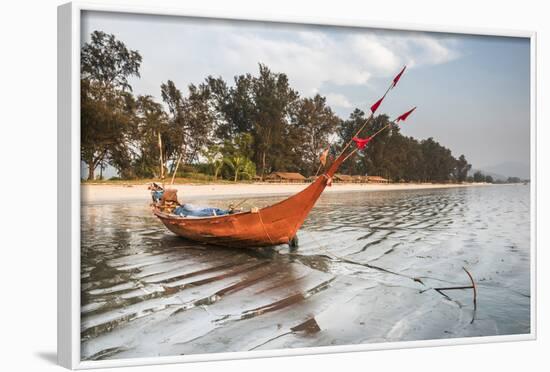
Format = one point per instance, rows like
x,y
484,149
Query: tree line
x,y
256,125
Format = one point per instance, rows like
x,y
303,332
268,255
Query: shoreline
x,y
105,194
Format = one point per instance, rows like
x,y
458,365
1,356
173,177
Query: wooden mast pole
x,y
161,160
176,169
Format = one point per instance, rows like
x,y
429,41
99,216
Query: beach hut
x,y
359,179
288,177
376,179
342,178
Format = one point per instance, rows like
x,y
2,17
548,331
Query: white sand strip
x,y
92,194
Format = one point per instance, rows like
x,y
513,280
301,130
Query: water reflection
x,y
147,292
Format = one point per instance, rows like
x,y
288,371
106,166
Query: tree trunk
x,y
266,142
263,165
91,170
161,161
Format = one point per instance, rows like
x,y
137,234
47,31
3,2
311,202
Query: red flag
x,y
404,116
374,107
361,142
396,78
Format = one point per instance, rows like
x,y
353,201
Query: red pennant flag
x,y
404,116
361,142
398,76
374,107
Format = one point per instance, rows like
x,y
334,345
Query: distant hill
x,y
504,170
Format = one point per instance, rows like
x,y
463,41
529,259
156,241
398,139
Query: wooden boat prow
x,y
272,225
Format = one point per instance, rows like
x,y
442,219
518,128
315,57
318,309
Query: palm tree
x,y
217,165
214,158
241,165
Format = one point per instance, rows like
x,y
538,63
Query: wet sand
x,y
93,193
146,292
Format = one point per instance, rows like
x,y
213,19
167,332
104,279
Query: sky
x,y
472,92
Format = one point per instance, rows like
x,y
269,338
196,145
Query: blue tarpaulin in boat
x,y
190,210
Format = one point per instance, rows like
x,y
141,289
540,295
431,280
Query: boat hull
x,y
272,225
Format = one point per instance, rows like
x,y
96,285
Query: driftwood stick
x,y
450,288
472,287
443,294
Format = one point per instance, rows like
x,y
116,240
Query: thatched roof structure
x,y
377,179
342,178
285,177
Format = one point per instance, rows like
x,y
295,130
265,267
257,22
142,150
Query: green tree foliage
x,y
379,157
236,155
258,122
107,61
440,164
462,169
106,104
234,106
214,159
356,163
241,167
191,120
394,156
262,106
479,177
152,123
312,124
274,101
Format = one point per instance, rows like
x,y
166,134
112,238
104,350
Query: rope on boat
x,y
265,230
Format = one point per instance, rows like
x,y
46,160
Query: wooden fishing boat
x,y
272,225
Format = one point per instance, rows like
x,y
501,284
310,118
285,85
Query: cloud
x,y
338,100
313,57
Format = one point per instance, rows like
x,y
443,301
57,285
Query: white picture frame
x,y
69,39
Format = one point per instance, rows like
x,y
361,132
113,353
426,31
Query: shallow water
x,y
364,272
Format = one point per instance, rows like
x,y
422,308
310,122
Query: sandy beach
x,y
94,193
